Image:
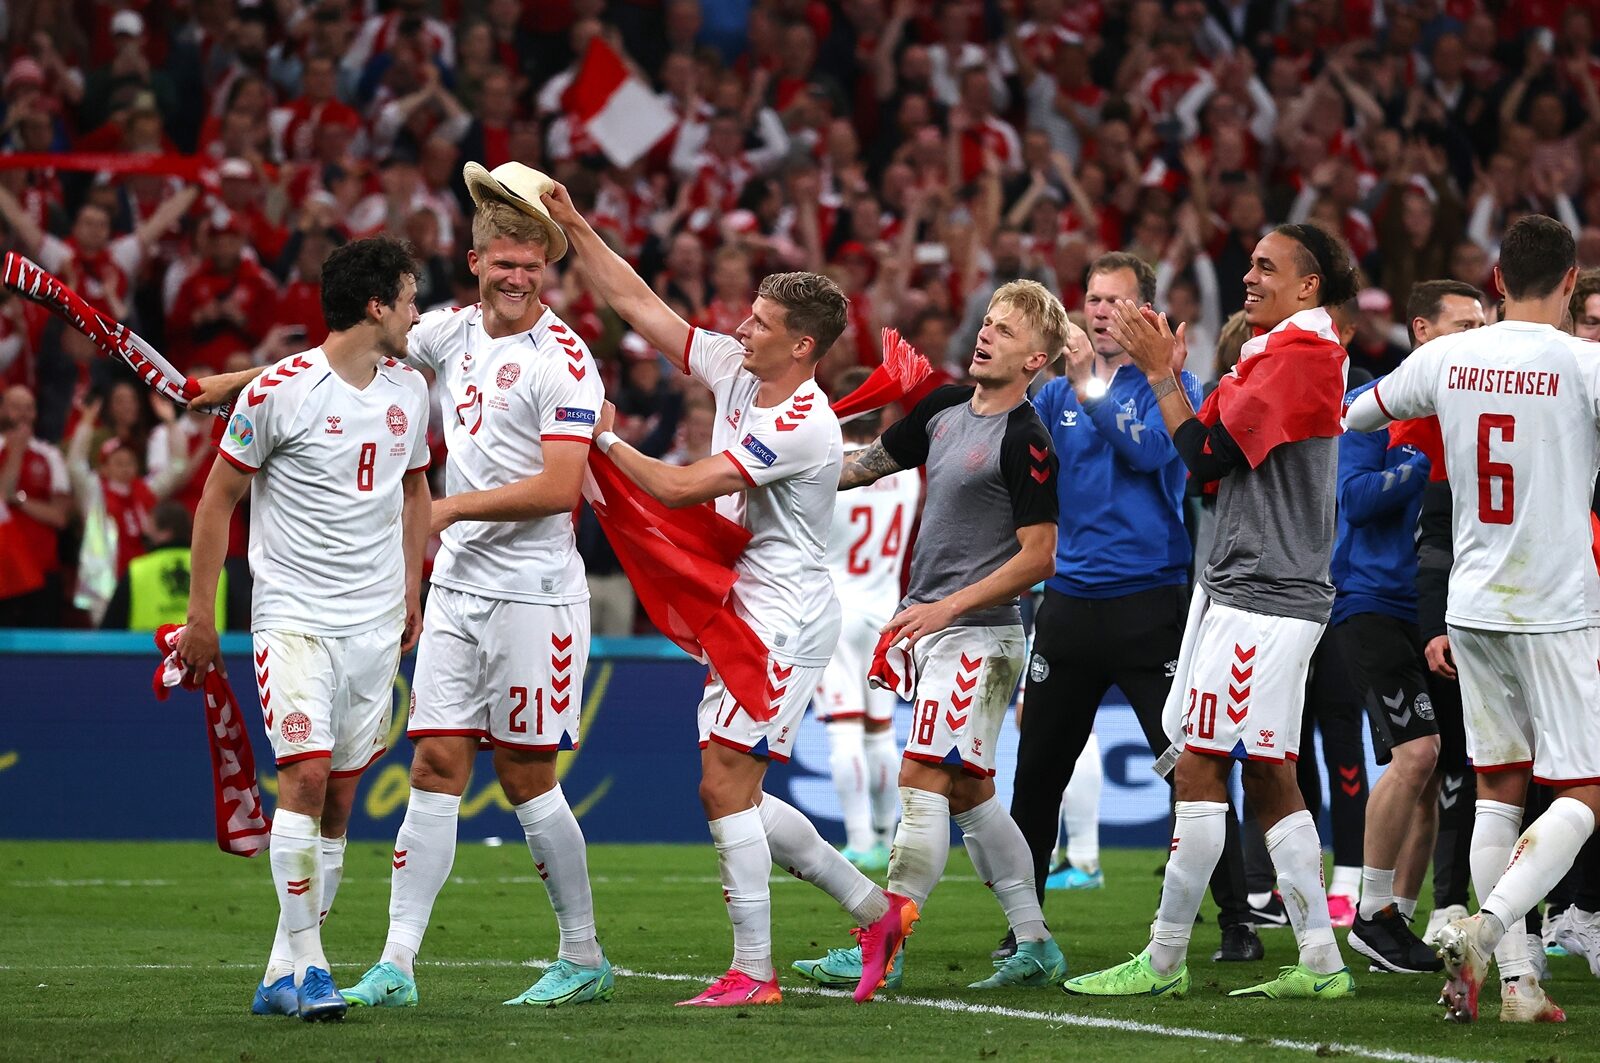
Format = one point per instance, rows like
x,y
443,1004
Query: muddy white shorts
x,y
1531,699
966,677
328,696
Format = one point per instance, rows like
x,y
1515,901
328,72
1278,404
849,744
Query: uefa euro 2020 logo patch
x,y
241,431
763,453
574,415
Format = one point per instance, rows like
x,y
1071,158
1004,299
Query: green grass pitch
x,y
151,952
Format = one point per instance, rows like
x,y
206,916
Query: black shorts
x,y
1386,664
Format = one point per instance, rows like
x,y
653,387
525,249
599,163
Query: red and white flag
x,y
614,108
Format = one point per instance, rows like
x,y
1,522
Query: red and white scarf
x,y
243,829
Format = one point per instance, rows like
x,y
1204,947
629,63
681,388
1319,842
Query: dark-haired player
x,y
332,445
1268,435
1517,407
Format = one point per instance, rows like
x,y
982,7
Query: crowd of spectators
x,y
921,153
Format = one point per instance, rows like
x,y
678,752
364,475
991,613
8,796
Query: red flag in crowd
x,y
614,107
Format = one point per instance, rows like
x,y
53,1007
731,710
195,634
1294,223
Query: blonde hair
x,y
495,217
1041,311
1230,342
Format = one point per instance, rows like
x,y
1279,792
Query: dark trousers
x,y
1082,647
1458,797
1333,708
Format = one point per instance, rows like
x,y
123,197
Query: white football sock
x,y
883,780
1542,856
424,851
1346,881
1377,891
1407,907
281,962
1080,808
847,759
798,849
1000,853
745,862
332,872
1296,853
1495,827
296,874
556,842
1197,832
921,844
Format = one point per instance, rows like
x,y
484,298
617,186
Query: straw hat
x,y
521,187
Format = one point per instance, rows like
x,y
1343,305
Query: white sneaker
x,y
1579,933
1554,926
1524,1000
1439,918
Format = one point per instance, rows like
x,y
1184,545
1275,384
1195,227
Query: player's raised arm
x,y
619,285
675,486
225,486
223,388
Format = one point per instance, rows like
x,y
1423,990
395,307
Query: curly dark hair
x,y
360,271
1325,255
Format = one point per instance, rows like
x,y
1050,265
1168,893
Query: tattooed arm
x,y
865,466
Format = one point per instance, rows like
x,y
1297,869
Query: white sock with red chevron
x,y
1296,853
921,844
559,855
280,961
295,873
1197,832
847,760
798,849
1000,854
745,863
1543,854
424,851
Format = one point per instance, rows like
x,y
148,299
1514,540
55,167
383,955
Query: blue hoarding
x,y
82,739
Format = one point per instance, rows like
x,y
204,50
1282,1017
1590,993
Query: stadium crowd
x,y
210,154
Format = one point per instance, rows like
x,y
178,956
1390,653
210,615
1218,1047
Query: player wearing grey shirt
x,y
988,534
1268,435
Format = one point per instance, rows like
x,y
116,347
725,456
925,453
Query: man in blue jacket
x,y
1113,614
1374,572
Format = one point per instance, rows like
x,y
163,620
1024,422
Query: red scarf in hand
x,y
1289,385
902,370
243,829
893,666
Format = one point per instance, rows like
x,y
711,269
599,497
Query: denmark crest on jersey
x,y
507,375
396,420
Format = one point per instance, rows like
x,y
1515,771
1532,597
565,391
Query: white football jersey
x,y
1517,404
790,454
325,535
503,399
867,543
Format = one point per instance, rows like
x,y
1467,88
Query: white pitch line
x,y
1055,1018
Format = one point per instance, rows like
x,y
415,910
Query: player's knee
x,y
1201,777
438,767
303,786
525,775
968,792
1415,760
1272,788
